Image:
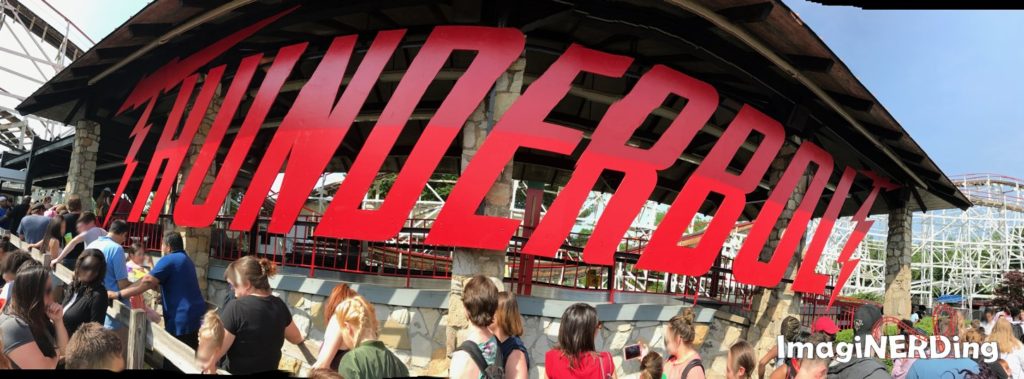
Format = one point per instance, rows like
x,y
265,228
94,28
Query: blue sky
x,y
953,79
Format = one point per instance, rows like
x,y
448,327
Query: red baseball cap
x,y
824,324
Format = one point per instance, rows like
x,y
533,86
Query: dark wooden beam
x,y
852,102
115,52
88,70
810,63
756,12
881,131
155,29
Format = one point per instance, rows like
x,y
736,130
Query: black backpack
x,y
692,365
494,371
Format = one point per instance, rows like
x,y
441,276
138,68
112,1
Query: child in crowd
x,y
740,361
479,354
651,366
367,357
211,336
94,348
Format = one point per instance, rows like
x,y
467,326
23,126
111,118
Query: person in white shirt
x,y
988,321
1010,348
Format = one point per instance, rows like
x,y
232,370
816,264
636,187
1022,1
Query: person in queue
x,y
1010,348
13,261
575,355
88,233
740,361
175,276
32,325
94,347
368,357
789,329
652,366
74,205
684,360
332,350
256,323
33,226
211,337
508,328
864,319
86,300
479,355
110,245
53,240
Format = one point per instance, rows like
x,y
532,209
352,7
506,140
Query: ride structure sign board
x,y
315,125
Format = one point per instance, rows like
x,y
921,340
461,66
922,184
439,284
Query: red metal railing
x,y
407,256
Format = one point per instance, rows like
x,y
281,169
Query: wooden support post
x,y
137,330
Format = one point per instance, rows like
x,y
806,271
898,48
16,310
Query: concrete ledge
x,y
294,279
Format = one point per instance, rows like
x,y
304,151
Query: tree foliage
x,y
1010,292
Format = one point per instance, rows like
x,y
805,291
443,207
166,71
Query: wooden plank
x,y
137,328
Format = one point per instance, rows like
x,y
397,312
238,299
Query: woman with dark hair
x,y
53,239
13,261
256,323
87,298
32,326
332,350
575,355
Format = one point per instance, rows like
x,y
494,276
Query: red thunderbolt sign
x,y
315,125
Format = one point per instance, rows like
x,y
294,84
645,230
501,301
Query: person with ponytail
x,y
684,361
367,357
256,323
31,326
175,275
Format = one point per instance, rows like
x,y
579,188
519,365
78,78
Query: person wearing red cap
x,y
825,325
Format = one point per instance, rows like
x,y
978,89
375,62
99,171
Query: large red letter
x,y
521,126
608,150
808,280
186,212
748,267
846,261
312,130
496,49
173,150
662,253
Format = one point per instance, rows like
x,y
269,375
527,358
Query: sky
x,y
953,79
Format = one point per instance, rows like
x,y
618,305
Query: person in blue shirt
x,y
183,302
117,271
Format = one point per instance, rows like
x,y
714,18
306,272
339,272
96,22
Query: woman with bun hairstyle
x,y
256,323
684,361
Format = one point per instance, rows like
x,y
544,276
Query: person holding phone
x,y
576,356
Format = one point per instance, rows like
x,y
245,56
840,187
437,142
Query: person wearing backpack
x,y
479,356
684,361
575,355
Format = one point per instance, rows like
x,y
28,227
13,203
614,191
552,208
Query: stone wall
x,y
414,323
898,252
82,169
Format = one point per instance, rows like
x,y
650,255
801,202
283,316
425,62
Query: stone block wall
x,y
414,323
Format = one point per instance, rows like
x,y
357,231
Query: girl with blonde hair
x,y
1010,348
684,361
332,351
367,357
